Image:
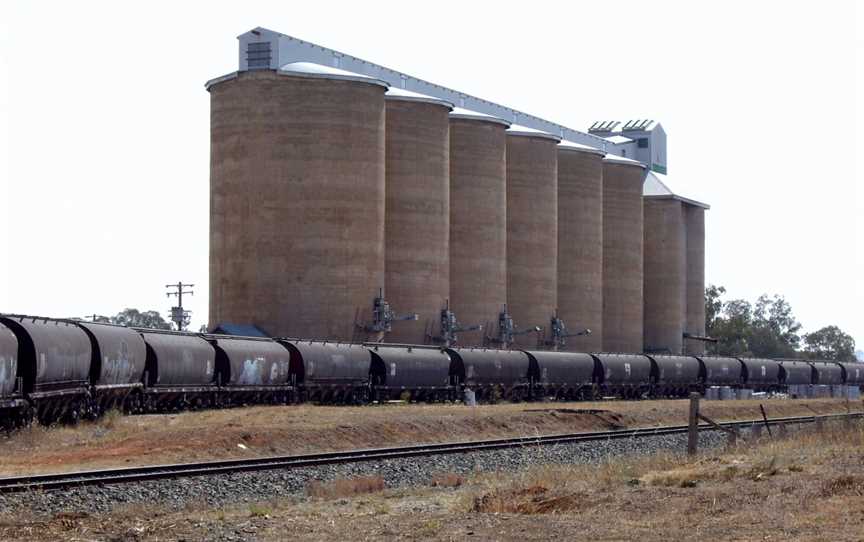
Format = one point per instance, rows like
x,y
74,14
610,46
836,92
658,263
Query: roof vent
x,y
604,126
258,55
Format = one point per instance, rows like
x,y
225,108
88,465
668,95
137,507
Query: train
x,y
60,370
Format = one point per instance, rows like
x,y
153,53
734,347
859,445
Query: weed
x,y
448,479
345,487
259,511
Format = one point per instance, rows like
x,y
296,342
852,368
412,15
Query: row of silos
x,y
304,162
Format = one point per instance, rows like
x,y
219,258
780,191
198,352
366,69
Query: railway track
x,y
53,482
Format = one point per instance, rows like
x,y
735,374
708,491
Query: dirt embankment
x,y
258,431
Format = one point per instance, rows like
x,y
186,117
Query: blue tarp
x,y
241,330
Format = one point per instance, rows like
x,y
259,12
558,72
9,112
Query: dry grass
x,y
447,479
803,487
345,487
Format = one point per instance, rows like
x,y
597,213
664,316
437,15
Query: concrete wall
x,y
478,224
532,233
580,247
297,203
417,215
622,257
665,276
695,319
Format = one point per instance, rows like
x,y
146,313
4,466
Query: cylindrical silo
x,y
695,323
417,212
622,254
665,277
478,221
297,199
532,230
580,244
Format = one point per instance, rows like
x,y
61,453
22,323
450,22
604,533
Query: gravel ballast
x,y
250,487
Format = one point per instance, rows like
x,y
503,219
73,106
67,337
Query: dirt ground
x,y
118,440
805,487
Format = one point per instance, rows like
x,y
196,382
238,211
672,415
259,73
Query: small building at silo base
x,y
532,233
296,199
580,246
622,254
674,269
417,213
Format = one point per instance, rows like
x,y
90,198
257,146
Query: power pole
x,y
179,316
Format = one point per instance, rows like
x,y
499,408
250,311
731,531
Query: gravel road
x,y
220,490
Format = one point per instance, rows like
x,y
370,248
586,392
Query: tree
x,y
713,307
830,342
768,328
136,318
774,332
732,328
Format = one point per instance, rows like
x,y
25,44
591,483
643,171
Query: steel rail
x,y
58,481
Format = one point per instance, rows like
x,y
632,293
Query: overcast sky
x,y
104,128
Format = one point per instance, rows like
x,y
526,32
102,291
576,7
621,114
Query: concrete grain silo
x,y
665,278
695,321
417,212
580,244
674,280
622,254
478,220
532,230
297,199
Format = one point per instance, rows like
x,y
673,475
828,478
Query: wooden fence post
x,y
693,429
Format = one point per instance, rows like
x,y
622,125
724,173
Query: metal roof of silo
x,y
621,160
578,147
525,131
657,187
310,69
618,139
403,95
462,113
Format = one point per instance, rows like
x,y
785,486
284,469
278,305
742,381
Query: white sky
x,y
104,128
